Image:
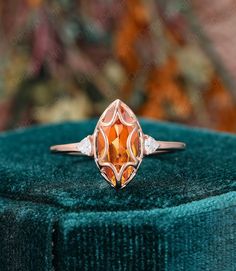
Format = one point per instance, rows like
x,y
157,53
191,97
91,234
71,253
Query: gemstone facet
x,y
118,144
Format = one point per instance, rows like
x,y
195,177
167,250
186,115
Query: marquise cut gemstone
x,y
118,144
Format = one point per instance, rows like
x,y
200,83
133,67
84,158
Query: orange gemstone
x,y
118,152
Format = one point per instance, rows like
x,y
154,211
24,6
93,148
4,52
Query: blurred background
x,y
171,60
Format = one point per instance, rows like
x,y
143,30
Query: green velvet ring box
x,y
58,213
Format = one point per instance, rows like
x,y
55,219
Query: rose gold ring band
x,y
162,147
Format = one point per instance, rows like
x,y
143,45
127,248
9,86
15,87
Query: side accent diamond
x,y
150,145
85,146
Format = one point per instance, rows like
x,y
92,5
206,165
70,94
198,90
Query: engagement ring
x,y
118,145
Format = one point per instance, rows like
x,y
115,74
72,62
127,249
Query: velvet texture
x,y
57,212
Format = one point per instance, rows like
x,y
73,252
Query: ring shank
x,y
66,149
168,146
163,147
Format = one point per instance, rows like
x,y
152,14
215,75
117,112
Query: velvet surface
x,y
179,208
193,237
25,236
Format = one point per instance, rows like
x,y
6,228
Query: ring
x,y
118,145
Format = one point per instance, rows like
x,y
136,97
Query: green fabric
x,y
25,236
179,212
196,236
